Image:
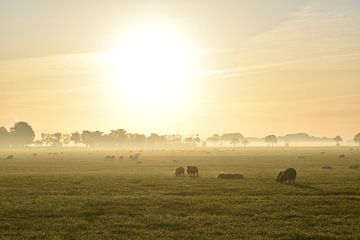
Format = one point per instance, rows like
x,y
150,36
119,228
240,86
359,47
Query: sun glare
x,y
153,67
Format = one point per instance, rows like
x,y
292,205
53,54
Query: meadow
x,y
76,194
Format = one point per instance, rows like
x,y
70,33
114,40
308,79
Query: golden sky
x,y
256,67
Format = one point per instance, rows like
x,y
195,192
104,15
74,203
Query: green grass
x,y
78,195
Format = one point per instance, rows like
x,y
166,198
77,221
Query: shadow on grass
x,y
306,186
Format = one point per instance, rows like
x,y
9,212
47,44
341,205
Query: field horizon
x,y
80,194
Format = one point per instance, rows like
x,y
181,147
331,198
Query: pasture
x,y
77,194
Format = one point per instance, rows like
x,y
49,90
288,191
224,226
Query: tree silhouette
x,y
22,134
357,139
215,138
234,141
271,140
4,137
76,137
338,139
245,142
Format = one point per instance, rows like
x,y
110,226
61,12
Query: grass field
x,y
78,195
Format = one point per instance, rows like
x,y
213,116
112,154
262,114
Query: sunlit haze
x,y
255,67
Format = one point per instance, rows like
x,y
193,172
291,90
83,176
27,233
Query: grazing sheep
x,y
287,176
109,158
180,171
230,176
327,167
354,166
9,157
342,156
192,171
135,156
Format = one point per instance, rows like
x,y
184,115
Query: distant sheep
x,y
230,176
287,176
342,156
354,166
9,157
109,158
121,157
135,156
192,171
327,167
180,171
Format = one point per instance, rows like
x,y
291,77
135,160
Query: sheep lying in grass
x,y
327,167
109,158
9,157
230,176
354,166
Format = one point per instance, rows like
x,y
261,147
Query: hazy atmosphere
x,y
258,67
179,119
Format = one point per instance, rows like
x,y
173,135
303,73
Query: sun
x,y
154,68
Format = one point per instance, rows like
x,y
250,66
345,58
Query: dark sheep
x,y
287,176
230,176
192,171
342,156
180,171
327,167
354,166
109,158
9,157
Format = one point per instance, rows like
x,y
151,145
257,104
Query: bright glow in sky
x,y
256,67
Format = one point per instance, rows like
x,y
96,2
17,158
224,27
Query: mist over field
x,y
172,119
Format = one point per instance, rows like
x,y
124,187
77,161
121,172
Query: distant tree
x,y
234,141
215,138
51,139
92,139
22,134
76,137
287,143
227,137
156,139
245,142
4,137
65,139
136,139
357,139
271,140
119,137
174,139
338,140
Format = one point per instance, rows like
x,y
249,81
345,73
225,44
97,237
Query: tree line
x,y
22,134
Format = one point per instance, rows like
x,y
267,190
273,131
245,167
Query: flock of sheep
x,y
288,176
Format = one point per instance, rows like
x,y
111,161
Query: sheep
x,y
180,171
192,171
287,176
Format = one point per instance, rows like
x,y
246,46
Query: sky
x,y
188,67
